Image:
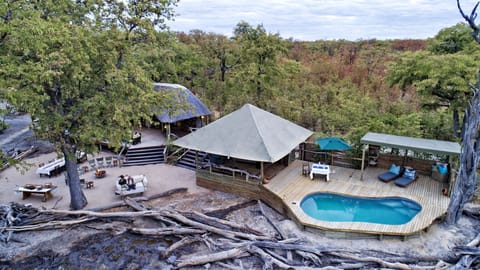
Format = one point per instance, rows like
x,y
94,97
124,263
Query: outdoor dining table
x,y
321,169
51,168
45,191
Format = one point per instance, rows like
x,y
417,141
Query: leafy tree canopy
x,y
74,66
452,39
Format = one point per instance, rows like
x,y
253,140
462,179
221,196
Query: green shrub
x,y
3,126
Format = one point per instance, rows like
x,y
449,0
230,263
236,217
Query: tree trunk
x,y
77,198
456,125
466,180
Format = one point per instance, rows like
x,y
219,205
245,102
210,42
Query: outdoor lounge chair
x,y
93,165
393,173
408,177
100,163
109,162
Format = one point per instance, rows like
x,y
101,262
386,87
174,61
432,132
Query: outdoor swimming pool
x,y
340,208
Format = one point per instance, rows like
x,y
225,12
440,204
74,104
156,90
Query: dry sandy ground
x,y
160,177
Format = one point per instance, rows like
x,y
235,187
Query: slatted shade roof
x,y
415,144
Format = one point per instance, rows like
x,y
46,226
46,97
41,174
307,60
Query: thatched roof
x,y
195,107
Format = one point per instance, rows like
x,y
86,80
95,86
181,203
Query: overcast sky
x,y
323,19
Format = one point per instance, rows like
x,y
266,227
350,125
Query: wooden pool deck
x,y
291,187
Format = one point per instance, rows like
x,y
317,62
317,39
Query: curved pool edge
x,y
334,207
421,222
418,223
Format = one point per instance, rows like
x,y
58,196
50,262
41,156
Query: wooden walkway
x,y
291,186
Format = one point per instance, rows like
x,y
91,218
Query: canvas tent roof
x,y
416,144
196,107
248,133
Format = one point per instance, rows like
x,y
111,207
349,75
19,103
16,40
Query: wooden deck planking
x,y
291,186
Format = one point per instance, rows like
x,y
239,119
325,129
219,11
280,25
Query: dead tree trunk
x,y
466,180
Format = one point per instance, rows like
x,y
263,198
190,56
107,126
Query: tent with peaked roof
x,y
248,133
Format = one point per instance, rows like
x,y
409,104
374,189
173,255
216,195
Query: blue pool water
x,y
341,208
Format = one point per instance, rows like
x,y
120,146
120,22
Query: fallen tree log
x,y
141,207
316,260
147,213
222,213
305,248
470,253
48,225
222,232
229,266
190,260
166,213
140,199
166,231
273,224
268,260
466,250
179,244
197,216
472,210
382,263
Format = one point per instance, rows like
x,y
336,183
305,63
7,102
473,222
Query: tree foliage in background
x,y
74,66
441,74
331,87
257,76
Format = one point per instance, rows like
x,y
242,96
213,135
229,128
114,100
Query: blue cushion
x,y
394,169
410,174
442,168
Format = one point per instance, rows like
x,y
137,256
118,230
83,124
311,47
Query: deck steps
x,y
187,161
144,156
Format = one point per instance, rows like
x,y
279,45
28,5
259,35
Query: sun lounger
x,y
393,173
408,177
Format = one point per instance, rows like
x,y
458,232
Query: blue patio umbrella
x,y
333,144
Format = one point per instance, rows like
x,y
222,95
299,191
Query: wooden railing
x,y
229,172
337,158
175,155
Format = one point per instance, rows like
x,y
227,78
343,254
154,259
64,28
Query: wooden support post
x,y
363,161
405,158
262,174
196,160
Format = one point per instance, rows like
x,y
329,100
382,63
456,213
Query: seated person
x,y
122,181
130,183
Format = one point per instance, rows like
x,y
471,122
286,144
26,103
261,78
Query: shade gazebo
x,y
248,133
409,143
